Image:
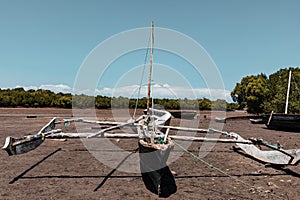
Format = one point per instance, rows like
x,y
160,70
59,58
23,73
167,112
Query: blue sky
x,y
44,43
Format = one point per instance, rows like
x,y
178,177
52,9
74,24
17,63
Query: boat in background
x,y
220,120
256,121
184,114
283,121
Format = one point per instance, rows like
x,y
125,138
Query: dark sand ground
x,y
67,170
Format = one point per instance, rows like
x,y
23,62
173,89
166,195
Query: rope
x,y
221,171
141,81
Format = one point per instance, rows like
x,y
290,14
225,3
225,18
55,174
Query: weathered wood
x,y
270,118
93,122
102,122
184,129
14,146
99,127
133,135
166,135
273,157
48,127
29,138
110,128
86,135
203,139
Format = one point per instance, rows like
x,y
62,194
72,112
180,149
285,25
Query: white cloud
x,y
27,87
57,88
54,88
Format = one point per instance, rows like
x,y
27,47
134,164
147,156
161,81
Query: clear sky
x,y
44,43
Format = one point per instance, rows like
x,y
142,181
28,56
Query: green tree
x,y
219,104
278,83
260,94
251,93
204,104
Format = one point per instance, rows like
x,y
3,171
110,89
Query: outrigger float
x,y
155,142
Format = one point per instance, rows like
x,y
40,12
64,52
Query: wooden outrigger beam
x,y
134,135
204,139
109,129
80,120
184,129
88,135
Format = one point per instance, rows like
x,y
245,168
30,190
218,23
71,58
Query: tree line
x,y
263,94
255,93
19,97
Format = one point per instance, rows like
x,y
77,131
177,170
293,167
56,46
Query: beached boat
x,y
283,121
154,145
220,120
184,114
256,121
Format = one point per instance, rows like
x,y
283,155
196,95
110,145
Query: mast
x,y
150,69
288,93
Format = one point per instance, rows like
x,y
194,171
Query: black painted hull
x,y
183,114
156,174
286,122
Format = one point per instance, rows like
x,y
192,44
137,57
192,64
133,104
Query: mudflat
x,y
67,169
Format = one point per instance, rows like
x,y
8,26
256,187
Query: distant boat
x,y
283,121
257,121
183,114
220,120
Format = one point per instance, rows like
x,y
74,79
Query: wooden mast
x,y
150,70
288,93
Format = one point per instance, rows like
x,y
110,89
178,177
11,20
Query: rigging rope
x,y
221,171
141,81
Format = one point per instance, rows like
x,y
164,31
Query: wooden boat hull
x,y
156,174
14,146
183,114
287,122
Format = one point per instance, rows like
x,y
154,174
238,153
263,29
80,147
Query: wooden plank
x,y
86,135
203,139
110,128
185,129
